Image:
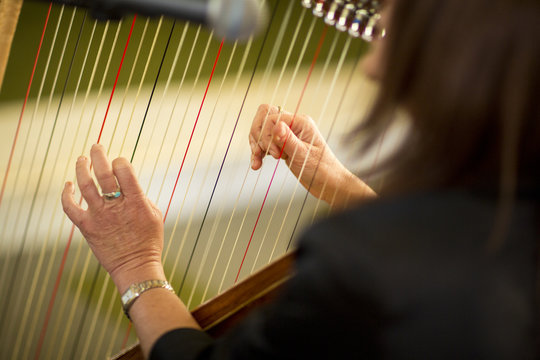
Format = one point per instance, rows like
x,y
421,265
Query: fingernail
x,y
81,158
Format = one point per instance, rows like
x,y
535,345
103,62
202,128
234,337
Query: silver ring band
x,y
112,195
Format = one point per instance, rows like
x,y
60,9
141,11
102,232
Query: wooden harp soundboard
x,y
178,102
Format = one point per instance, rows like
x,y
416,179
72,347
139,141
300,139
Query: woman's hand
x,y
125,233
307,155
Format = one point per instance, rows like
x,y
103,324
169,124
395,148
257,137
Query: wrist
x,y
126,276
351,190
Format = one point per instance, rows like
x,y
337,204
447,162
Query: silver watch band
x,y
135,290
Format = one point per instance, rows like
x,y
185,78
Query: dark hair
x,y
468,74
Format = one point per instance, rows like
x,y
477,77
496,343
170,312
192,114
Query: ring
x,y
112,195
279,109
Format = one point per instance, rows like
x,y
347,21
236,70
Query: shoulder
x,y
421,226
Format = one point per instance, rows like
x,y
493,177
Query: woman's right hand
x,y
298,141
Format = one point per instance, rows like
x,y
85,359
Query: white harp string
x,y
56,162
25,273
87,321
269,222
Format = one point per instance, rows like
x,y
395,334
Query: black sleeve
x,y
408,279
181,344
323,312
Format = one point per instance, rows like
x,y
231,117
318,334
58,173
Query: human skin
x,y
296,139
126,233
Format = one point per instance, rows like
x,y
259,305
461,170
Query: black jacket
x,y
404,278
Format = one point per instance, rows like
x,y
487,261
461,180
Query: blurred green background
x,y
32,19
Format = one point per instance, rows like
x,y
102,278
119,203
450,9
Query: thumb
x,y
285,138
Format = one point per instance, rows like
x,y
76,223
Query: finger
x,y
255,148
86,184
126,177
256,154
285,139
260,119
256,162
268,142
301,125
103,169
73,211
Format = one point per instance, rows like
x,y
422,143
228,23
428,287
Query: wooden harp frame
x,y
217,314
9,16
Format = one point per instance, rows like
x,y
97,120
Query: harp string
x,y
22,244
276,203
6,264
106,283
209,242
119,316
38,266
368,176
264,83
184,158
68,166
190,220
98,268
44,286
278,41
328,136
141,82
317,51
295,72
24,103
160,106
186,191
180,87
66,250
235,243
117,76
152,95
78,287
34,155
182,122
221,130
128,84
321,115
323,112
17,181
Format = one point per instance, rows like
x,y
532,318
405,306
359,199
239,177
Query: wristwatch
x,y
135,290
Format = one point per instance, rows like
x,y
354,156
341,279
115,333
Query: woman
x,y
442,265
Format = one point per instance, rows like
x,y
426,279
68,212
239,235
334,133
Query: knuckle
x,y
97,147
86,186
264,107
120,162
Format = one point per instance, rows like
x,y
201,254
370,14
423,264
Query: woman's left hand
x,y
125,233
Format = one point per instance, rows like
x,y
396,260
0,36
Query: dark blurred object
x,y
232,19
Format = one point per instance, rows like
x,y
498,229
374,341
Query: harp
x,y
178,102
